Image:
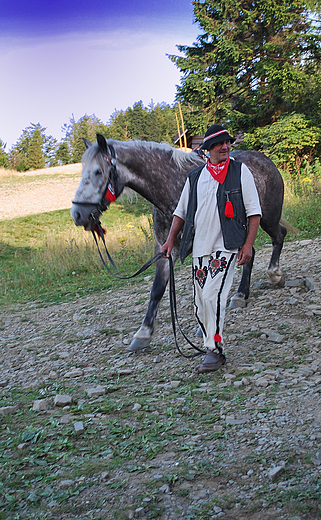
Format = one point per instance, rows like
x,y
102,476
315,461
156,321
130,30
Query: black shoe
x,y
211,363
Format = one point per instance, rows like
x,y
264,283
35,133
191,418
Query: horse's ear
x,y
102,143
87,142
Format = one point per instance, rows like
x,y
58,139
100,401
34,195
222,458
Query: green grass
x,y
45,257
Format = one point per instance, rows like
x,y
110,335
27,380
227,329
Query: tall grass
x,y
45,257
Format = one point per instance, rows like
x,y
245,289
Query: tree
x,y
4,161
288,141
28,152
254,61
76,131
152,123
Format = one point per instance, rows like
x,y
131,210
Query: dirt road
x,y
39,191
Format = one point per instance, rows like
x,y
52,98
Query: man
x,y
220,211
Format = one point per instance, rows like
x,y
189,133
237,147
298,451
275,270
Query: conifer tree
x,y
253,61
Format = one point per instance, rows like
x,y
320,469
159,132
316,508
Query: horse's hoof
x,y
281,282
138,344
277,277
199,333
237,303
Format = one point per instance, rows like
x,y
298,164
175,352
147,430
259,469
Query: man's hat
x,y
215,134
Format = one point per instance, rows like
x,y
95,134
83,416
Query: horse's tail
x,y
288,227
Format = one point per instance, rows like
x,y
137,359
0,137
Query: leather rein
x,y
95,227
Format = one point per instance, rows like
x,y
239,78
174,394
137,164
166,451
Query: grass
x,y
45,257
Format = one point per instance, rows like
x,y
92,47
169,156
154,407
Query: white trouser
x,y
213,277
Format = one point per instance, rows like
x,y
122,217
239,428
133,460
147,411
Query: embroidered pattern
x,y
200,275
216,265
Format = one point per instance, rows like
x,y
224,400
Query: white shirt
x,y
208,234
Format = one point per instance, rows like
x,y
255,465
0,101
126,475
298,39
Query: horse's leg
x,y
243,291
274,271
143,336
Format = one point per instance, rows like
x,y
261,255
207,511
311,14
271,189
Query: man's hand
x,y
246,252
177,225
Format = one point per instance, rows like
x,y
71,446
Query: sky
x,y
66,58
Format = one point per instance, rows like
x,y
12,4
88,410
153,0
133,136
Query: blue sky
x,y
73,57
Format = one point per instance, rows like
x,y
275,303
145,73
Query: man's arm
x,y
176,226
245,253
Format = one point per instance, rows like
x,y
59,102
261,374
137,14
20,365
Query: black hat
x,y
215,134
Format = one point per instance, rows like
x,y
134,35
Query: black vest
x,y
234,230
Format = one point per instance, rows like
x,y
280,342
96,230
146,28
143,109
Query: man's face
x,y
220,151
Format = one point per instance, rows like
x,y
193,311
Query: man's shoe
x,y
211,363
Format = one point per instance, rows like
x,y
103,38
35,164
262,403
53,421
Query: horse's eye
x,y
98,172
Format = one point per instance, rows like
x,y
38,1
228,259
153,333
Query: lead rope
x,y
172,291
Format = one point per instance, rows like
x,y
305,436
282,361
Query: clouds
x,y
62,69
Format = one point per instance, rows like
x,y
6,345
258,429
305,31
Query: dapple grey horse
x,y
158,173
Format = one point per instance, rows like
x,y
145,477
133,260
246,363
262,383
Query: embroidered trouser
x,y
213,277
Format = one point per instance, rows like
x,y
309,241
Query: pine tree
x,y
253,61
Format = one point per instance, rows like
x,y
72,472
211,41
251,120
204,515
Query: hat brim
x,y
224,137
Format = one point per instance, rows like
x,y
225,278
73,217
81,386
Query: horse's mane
x,y
179,157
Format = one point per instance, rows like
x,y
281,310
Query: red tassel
x,y
217,338
229,211
96,230
110,194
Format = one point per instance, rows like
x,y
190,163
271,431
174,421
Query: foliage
x,y
33,149
75,132
288,141
4,162
253,62
153,123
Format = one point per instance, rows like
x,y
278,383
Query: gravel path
x,y
255,425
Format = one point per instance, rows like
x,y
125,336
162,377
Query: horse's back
x,y
268,181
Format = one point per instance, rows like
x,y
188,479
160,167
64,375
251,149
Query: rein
x,y
112,186
172,291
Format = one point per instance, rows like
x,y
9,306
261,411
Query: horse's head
x,y
99,182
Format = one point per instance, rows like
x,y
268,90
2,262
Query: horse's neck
x,y
149,172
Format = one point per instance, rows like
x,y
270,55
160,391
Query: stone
x,y
275,472
64,419
309,283
41,405
7,410
74,373
79,427
66,483
96,391
262,381
62,400
136,407
139,512
124,371
164,488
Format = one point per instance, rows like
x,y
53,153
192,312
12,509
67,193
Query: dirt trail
x,y
38,191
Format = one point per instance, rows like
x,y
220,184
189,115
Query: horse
x,y
158,171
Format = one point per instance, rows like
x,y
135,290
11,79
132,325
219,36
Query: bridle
x,y
96,228
111,185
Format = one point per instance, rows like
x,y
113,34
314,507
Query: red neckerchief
x,y
218,171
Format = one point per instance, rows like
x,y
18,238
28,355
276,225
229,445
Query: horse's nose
x,y
76,215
